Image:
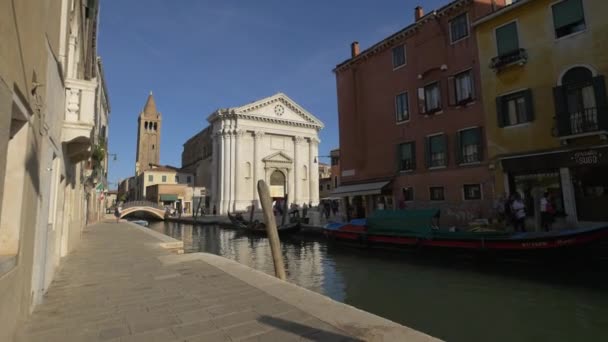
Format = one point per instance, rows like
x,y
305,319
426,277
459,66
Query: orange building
x,y
411,118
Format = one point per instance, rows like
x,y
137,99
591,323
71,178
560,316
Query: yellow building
x,y
542,67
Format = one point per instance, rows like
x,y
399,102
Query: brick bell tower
x,y
148,136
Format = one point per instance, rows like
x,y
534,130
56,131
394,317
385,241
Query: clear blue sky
x,y
200,55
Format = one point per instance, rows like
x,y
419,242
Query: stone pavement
x,y
115,287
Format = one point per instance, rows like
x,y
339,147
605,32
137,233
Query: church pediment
x,y
278,108
278,157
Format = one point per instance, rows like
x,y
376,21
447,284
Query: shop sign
x,y
590,157
277,191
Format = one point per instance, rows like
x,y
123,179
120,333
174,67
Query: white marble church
x,y
273,139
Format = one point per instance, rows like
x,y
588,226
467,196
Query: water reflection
x,y
451,298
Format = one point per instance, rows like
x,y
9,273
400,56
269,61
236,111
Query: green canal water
x,y
451,298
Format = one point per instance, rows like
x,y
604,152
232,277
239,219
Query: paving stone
x,y
193,329
161,335
109,333
245,330
218,336
235,319
194,316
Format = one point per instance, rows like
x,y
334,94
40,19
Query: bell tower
x,y
148,136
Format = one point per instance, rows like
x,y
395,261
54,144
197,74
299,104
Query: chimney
x,y
354,49
418,12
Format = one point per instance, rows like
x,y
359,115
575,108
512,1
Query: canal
x,y
454,299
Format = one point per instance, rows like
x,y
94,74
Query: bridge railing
x,y
132,204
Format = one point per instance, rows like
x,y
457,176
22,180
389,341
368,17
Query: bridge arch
x,y
143,206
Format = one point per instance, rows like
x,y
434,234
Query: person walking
x,y
519,213
546,211
117,214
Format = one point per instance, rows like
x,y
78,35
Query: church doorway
x,y
277,185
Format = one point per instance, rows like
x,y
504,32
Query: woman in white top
x,y
519,213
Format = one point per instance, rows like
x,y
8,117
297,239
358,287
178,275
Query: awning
x,y
359,189
168,198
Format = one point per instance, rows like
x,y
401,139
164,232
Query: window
x,y
472,191
164,179
150,178
568,17
459,28
461,88
406,156
398,56
328,187
578,101
402,107
507,40
469,142
321,187
436,193
408,194
515,108
437,151
335,161
189,179
429,99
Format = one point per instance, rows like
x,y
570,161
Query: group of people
x,y
512,211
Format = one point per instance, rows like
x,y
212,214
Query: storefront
x,y
576,178
360,200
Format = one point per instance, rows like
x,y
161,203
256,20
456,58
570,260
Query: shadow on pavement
x,y
310,333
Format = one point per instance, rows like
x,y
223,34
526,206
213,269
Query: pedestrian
x,y
547,211
117,214
519,213
334,207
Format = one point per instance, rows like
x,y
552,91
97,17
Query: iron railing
x,y
518,56
142,204
583,121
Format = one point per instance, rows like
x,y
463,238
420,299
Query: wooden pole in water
x,y
271,230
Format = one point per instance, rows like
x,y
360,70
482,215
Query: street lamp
x,y
316,161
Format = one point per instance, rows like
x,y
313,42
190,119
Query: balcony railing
x,y
519,56
588,120
406,165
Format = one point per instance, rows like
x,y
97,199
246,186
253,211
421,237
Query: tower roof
x,y
150,107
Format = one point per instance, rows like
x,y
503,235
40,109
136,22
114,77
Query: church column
x,y
297,178
214,170
237,166
223,171
257,138
313,169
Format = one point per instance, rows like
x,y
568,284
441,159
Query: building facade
x,y
148,136
543,77
53,129
411,118
273,139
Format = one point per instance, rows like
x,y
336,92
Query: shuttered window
x,y
429,99
150,178
399,56
515,108
568,17
402,112
436,193
459,27
469,145
436,148
406,156
507,40
408,194
472,191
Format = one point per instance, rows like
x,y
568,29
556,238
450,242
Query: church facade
x,y
273,139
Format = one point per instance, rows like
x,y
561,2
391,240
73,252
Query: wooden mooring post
x,y
271,230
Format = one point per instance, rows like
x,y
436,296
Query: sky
x,y
200,55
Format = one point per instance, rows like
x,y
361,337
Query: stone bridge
x,y
143,206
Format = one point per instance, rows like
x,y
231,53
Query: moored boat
x,y
417,228
256,227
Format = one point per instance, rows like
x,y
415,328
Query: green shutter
x,y
599,85
413,149
445,149
506,39
561,110
398,157
427,152
500,112
529,105
567,12
458,147
480,142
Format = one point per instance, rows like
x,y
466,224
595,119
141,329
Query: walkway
x,y
121,285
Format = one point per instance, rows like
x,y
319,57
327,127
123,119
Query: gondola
x,y
259,228
418,229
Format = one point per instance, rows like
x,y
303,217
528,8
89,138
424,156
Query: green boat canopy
x,y
417,223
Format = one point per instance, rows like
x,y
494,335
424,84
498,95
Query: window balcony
x,y
588,120
516,57
79,118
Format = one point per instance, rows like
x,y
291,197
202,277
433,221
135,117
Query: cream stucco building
x,y
273,139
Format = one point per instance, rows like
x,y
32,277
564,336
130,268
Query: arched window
x,y
277,178
146,124
577,99
155,126
247,170
305,172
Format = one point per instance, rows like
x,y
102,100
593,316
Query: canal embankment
x,y
125,284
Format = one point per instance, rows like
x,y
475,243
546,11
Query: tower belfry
x,y
148,136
